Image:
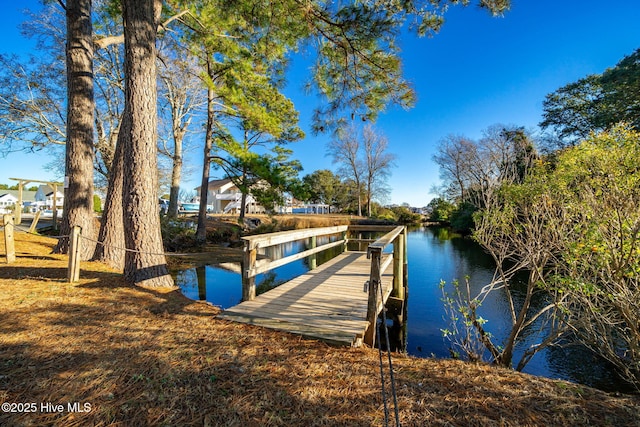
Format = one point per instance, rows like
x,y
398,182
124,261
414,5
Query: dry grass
x,y
282,222
142,357
286,221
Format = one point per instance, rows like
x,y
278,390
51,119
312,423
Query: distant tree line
x,y
15,187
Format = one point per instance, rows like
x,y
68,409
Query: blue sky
x,y
476,72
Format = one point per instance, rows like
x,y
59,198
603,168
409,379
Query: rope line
x,y
384,392
66,236
135,250
391,376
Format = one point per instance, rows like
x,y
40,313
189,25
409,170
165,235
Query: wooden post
x,y
313,260
73,273
34,223
18,210
9,243
398,266
405,259
345,238
372,303
248,263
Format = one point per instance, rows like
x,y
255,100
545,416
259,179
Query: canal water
x,y
434,255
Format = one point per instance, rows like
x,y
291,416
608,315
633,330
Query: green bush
x,y
403,215
97,203
462,218
177,235
440,210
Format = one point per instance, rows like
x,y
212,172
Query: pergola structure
x,y
22,183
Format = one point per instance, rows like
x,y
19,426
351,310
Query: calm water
x,y
434,254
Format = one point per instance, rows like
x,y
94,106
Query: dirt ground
x,y
101,353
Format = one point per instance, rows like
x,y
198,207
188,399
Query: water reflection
x,y
219,286
434,254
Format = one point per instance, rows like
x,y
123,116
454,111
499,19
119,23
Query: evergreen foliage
x,y
594,103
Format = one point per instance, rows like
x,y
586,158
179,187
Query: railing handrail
x,y
280,237
250,269
253,243
254,271
385,240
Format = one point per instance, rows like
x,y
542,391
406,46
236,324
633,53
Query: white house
x,y
223,196
9,198
7,202
44,197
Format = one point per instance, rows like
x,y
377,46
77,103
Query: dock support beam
x,y
398,266
313,260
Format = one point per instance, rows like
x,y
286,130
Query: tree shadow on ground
x,y
146,357
138,366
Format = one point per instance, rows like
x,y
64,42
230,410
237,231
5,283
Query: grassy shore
x,y
139,357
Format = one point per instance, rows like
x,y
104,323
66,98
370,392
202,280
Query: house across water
x,y
223,196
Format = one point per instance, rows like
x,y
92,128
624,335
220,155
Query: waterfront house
x,y
223,196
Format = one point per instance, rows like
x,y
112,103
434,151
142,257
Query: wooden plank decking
x,y
327,303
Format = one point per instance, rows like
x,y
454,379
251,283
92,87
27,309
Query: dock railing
x,y
250,269
397,237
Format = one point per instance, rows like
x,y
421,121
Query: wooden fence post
x,y
372,302
248,264
18,210
73,273
9,243
34,223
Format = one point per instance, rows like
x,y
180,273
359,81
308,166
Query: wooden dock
x,y
337,302
328,303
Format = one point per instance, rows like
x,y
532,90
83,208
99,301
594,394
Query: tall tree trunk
x,y
244,187
243,198
201,231
145,263
111,235
369,191
176,176
359,190
176,171
79,155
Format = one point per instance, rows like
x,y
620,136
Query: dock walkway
x,y
328,303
